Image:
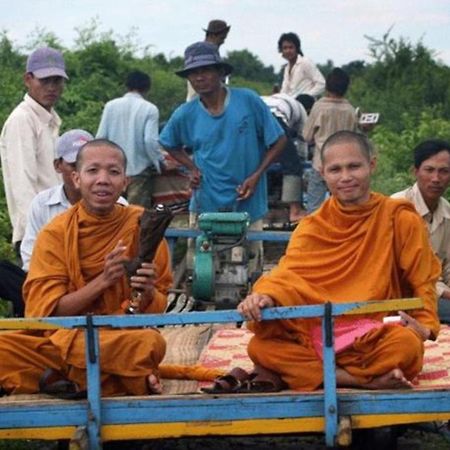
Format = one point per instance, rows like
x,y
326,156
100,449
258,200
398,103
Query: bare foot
x,y
394,379
154,385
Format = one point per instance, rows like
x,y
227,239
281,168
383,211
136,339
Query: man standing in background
x,y
216,33
301,76
432,172
27,141
131,122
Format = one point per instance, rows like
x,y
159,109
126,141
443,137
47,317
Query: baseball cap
x,y
46,62
69,144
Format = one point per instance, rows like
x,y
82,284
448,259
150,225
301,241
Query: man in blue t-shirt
x,y
232,135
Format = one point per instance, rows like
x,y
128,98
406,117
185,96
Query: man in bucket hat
x,y
27,141
216,33
232,134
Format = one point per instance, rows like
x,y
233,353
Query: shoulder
x,y
406,193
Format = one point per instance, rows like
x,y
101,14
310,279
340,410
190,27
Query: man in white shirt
x,y
301,76
27,141
432,172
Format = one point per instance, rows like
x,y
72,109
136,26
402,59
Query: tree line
x,y
405,82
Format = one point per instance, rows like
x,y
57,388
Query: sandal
x,y
53,383
263,380
229,383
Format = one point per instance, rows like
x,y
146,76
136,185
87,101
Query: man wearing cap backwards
x,y
27,141
232,134
216,33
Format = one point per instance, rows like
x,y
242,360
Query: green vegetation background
x,y
404,82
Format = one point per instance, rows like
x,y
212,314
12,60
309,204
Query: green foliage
x,y
404,83
248,66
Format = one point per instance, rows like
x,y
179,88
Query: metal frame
x,y
200,414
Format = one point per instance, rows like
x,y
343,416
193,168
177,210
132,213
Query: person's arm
x,y
102,131
247,188
419,266
180,155
151,135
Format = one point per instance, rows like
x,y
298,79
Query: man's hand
x,y
251,306
144,282
412,323
114,269
247,188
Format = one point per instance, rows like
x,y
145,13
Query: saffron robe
x,y
68,254
375,251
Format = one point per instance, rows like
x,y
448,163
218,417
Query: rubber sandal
x,y
229,383
53,383
262,380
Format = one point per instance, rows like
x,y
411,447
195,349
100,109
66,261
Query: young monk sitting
x,y
358,246
77,267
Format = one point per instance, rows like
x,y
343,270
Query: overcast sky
x,y
329,29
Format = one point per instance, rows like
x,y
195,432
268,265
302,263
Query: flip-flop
x,y
229,383
262,380
53,383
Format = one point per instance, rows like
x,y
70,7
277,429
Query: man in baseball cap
x,y
44,206
27,141
46,62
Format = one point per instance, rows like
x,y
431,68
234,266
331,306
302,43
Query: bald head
x,y
348,137
99,144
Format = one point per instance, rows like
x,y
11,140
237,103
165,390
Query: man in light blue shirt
x,y
132,122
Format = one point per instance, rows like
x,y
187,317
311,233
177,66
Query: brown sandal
x,y
229,383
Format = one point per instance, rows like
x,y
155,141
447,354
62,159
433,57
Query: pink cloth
x,y
345,334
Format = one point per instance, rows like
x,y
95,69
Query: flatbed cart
x,y
331,411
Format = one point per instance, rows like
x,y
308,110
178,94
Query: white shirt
x,y
438,224
303,78
27,148
44,207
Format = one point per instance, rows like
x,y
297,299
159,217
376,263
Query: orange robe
x,y
375,251
70,252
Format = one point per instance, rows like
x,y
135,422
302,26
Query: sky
x,y
329,29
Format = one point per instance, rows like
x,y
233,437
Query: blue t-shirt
x,y
227,149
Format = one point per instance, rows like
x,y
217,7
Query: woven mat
x,y
228,348
184,345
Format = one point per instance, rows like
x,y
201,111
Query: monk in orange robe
x,y
358,246
77,268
